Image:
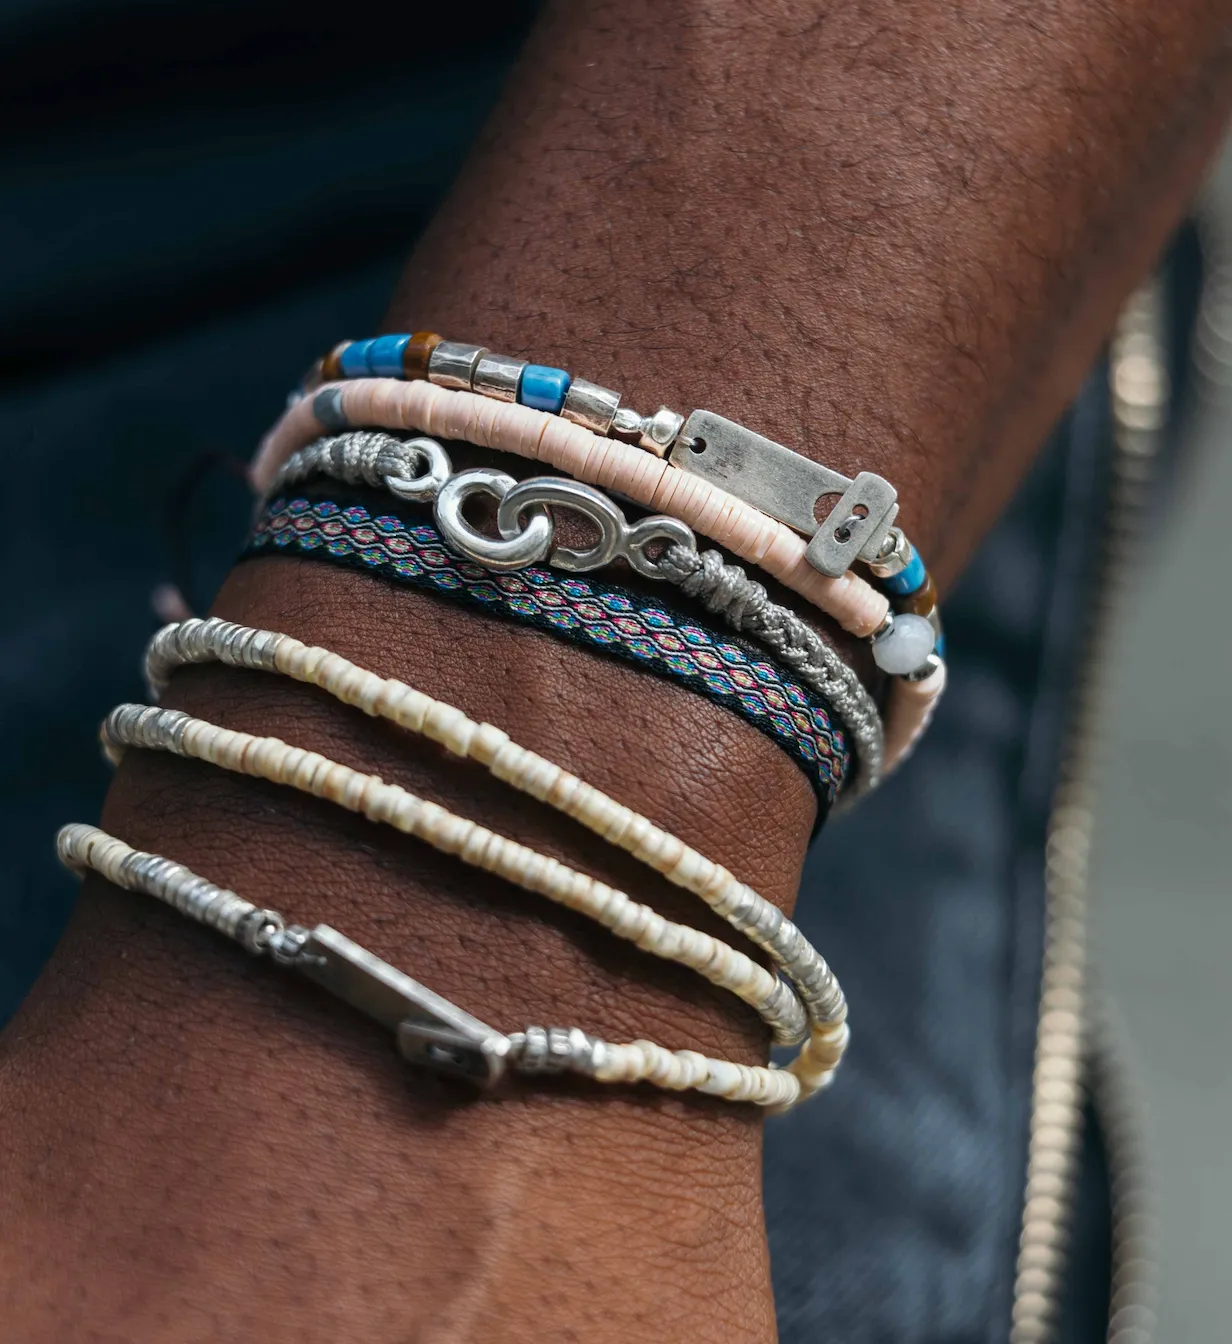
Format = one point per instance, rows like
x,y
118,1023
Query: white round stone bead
x,y
905,645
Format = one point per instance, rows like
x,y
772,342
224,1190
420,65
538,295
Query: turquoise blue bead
x,y
939,646
354,359
384,357
544,388
908,580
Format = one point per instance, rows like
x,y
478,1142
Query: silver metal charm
x,y
855,528
617,537
787,486
432,1031
519,547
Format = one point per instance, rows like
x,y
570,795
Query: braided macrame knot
x,y
359,457
745,605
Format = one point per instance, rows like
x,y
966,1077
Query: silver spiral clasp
x,y
527,531
518,545
618,539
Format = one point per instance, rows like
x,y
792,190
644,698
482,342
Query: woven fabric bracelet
x,y
431,1031
420,470
271,759
603,617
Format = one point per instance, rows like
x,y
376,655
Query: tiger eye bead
x,y
331,365
417,353
921,602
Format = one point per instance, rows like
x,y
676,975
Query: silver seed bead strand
x,y
747,911
81,846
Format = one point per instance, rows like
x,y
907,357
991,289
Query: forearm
x,y
891,237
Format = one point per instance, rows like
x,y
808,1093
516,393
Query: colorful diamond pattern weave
x,y
595,614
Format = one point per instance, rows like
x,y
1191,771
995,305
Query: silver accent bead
x,y
534,1055
926,668
452,364
627,421
259,930
895,555
497,376
659,430
287,944
591,406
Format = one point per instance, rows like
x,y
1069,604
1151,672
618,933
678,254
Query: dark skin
x,y
890,236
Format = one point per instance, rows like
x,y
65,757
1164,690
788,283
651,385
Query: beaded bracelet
x,y
212,640
431,1031
420,470
765,474
899,643
817,1006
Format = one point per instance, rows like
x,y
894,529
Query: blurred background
x,y
206,196
1161,887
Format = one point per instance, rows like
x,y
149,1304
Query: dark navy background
x,y
202,198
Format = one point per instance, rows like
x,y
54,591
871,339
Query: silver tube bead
x,y
591,406
452,364
497,376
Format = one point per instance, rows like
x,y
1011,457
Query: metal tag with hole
x,y
786,486
855,526
431,1031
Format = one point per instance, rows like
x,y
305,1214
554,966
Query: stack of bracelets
x,y
372,415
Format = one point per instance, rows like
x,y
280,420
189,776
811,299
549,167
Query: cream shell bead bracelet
x,y
820,1020
213,640
431,1031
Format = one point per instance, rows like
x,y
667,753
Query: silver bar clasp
x,y
787,486
431,1031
